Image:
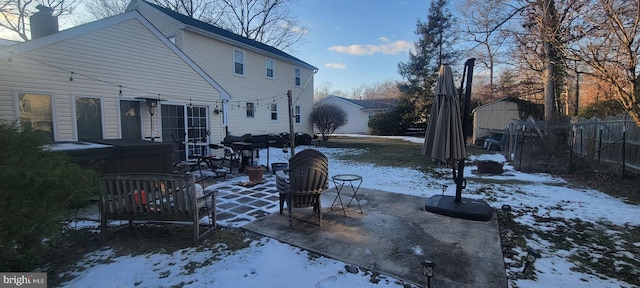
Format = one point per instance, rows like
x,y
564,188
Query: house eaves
x,y
70,33
224,35
369,104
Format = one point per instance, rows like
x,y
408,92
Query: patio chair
x,y
307,178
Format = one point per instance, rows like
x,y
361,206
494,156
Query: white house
x,y
358,112
116,78
257,76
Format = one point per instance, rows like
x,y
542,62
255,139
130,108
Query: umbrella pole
x,y
461,183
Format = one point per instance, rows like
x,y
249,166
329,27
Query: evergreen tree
x,y
436,46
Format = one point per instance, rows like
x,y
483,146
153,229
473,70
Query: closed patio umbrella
x,y
444,140
445,143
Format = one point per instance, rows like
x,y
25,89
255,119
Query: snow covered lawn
x,y
586,239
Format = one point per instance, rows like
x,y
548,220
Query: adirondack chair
x,y
307,178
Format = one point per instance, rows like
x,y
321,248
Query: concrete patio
x,y
393,235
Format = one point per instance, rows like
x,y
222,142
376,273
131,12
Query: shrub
x,y
327,118
388,123
37,189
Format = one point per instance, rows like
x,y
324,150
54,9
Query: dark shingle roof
x,y
228,34
381,103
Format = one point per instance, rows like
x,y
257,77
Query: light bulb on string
x,y
71,77
120,91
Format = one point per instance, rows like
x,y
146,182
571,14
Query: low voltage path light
x,y
428,270
532,255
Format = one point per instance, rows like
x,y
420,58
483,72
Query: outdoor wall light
x,y
428,270
151,104
531,257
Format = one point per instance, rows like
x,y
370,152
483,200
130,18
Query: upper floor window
x,y
274,111
238,60
297,75
251,109
296,114
270,66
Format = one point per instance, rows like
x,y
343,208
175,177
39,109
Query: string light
x,y
274,98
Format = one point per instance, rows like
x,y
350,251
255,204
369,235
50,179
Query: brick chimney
x,y
43,22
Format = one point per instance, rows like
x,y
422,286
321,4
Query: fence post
x,y
522,145
600,144
624,142
572,140
581,141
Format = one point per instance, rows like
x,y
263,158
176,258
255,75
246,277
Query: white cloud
x,y
336,65
383,39
393,48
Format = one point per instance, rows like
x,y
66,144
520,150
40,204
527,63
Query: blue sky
x,y
352,42
357,42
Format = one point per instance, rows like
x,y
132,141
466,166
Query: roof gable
x,y
367,104
70,33
226,35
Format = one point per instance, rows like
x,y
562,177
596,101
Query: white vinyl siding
x,y
124,54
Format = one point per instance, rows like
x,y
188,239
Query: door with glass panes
x,y
187,128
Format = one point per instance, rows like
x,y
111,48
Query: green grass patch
x,y
381,151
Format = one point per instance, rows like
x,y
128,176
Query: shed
x,y
495,116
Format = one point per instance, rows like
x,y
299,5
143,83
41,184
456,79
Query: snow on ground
x,y
531,196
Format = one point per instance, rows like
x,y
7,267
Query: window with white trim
x,y
296,114
274,111
238,60
251,110
270,67
88,118
36,112
297,76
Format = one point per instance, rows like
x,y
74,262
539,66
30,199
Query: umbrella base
x,y
469,209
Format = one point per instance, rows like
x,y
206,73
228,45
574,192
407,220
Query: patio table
x,y
340,181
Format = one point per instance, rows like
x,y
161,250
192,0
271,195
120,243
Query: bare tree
x,y
323,90
546,31
483,22
16,13
611,47
203,10
327,118
100,9
266,21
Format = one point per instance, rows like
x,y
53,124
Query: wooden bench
x,y
167,198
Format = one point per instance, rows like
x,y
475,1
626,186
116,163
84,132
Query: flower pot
x,y
279,166
255,173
